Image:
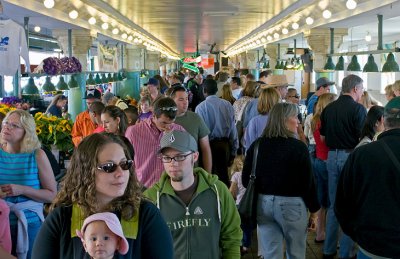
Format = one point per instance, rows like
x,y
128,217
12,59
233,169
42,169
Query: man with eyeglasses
x,y
219,116
84,126
198,208
145,138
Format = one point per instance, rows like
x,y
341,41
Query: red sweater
x,y
321,149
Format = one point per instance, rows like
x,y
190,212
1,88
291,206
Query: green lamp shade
x,y
277,66
104,79
266,65
120,77
390,64
354,65
340,64
48,86
371,66
109,77
30,88
115,77
286,66
73,83
98,80
61,85
329,64
90,80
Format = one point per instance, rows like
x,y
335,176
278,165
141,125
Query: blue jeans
x,y
282,218
335,163
321,176
311,151
33,230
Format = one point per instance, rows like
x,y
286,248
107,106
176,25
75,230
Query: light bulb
x,y
92,20
258,42
269,37
130,38
295,26
276,35
115,31
351,4
48,3
73,14
37,29
368,37
285,31
140,41
124,36
135,40
309,20
263,40
104,26
326,14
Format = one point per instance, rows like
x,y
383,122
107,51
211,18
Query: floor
x,y
314,251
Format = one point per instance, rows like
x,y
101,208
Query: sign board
x,y
108,58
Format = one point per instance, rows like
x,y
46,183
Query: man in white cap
x,y
198,208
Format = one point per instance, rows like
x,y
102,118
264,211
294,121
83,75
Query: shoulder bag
x,y
248,204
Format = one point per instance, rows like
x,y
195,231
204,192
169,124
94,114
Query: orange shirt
x,y
83,127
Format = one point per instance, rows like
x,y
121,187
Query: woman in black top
x,y
285,184
56,105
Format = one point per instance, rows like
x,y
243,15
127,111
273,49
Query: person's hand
x,y
12,189
312,222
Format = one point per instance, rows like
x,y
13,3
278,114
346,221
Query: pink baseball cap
x,y
112,223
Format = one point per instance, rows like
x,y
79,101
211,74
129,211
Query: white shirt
x,y
12,46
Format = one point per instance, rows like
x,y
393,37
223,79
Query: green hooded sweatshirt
x,y
209,227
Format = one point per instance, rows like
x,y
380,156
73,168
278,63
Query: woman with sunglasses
x,y
101,179
26,179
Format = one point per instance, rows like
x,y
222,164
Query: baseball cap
x,y
112,223
152,81
92,94
324,81
179,140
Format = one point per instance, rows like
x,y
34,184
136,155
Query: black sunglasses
x,y
110,167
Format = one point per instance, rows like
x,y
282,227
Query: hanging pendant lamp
x,y
340,64
329,64
390,64
109,78
48,86
354,65
371,66
98,80
90,80
61,85
30,88
115,77
120,76
104,79
73,83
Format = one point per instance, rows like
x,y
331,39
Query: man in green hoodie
x,y
198,208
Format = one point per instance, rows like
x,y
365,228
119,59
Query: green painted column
x,y
76,103
131,85
2,92
277,71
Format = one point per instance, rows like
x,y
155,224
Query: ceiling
x,y
179,25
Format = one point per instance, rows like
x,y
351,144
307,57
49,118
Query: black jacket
x,y
368,197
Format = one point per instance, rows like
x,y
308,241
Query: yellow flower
x,y
51,129
60,128
38,115
38,131
69,127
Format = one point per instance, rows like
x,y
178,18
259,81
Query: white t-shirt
x,y
237,178
12,46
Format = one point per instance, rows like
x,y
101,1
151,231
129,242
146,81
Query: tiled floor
x,y
314,251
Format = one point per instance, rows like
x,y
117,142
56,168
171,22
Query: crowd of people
x,y
163,179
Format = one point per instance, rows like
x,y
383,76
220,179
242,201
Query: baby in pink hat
x,y
102,236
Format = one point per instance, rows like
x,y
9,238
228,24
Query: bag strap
x,y
391,155
255,154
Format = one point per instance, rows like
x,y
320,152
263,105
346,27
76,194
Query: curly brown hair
x,y
78,186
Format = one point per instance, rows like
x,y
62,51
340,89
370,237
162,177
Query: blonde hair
x,y
323,101
389,91
396,86
237,165
276,126
268,98
250,88
30,141
227,93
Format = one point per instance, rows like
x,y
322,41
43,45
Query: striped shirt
x,y
19,169
145,138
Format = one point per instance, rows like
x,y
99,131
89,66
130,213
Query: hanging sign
x,y
191,63
108,58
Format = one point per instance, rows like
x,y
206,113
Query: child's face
x,y
99,241
145,106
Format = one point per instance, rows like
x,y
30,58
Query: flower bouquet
x,y
52,130
5,108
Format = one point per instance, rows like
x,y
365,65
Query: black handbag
x,y
248,204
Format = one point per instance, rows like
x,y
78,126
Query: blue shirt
x,y
255,129
250,112
311,102
219,116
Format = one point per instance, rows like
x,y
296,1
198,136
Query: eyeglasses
x,y
110,167
168,109
178,158
11,125
295,96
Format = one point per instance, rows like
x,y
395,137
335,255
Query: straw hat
x,y
275,81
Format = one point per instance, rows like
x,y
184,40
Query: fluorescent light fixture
x,y
73,14
92,20
368,37
220,13
48,3
37,29
57,50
